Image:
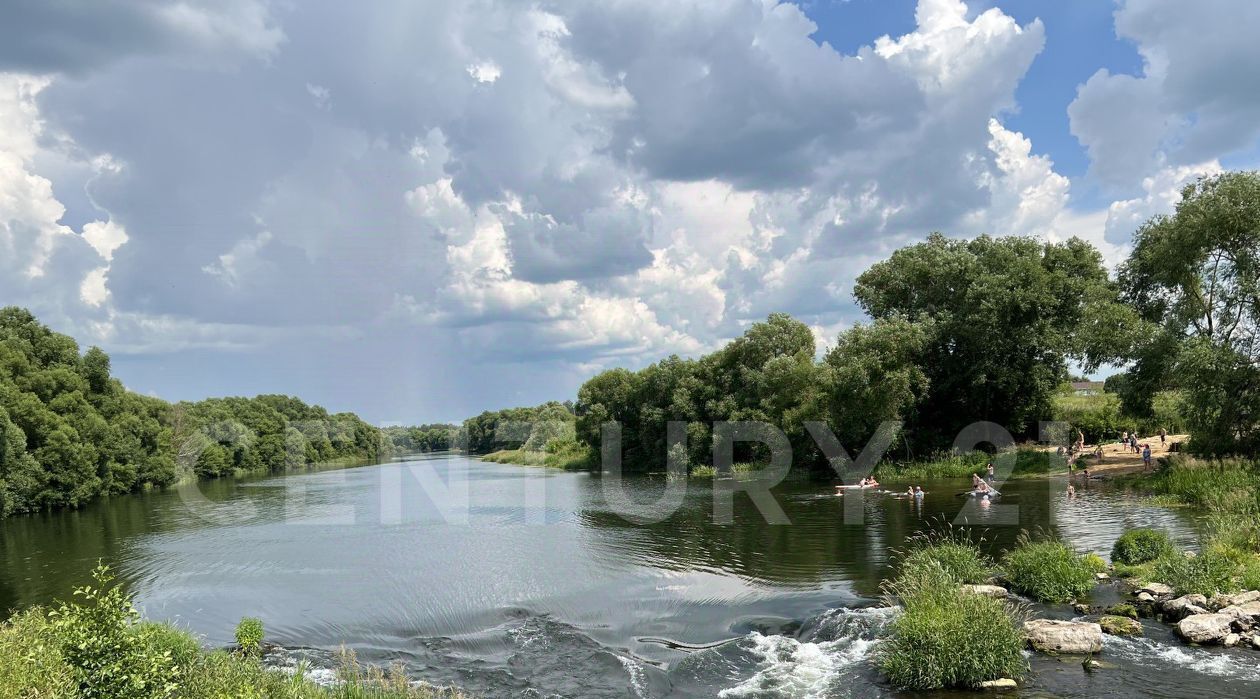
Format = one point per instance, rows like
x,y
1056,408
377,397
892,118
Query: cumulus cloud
x,y
576,182
1197,99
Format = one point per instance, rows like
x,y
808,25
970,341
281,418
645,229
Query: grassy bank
x,y
97,646
567,455
1227,493
1029,461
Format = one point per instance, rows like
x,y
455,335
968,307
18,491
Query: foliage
x,y
950,549
97,647
528,429
562,454
1028,461
109,655
1194,277
1047,570
1006,314
945,637
420,439
70,432
1097,416
249,636
1141,545
1123,609
1208,573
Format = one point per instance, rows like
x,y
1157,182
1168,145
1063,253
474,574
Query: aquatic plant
x,y
946,637
953,550
1140,545
1047,570
1208,573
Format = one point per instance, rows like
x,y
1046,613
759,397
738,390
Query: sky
x,y
418,210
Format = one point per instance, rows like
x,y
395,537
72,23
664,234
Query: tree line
x,y
70,432
959,331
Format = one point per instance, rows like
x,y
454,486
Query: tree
x,y
1005,314
1194,277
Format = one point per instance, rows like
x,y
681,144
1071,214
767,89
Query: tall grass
x,y
562,454
953,550
945,637
1028,461
96,647
1047,570
1140,546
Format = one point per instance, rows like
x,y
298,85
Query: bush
x,y
1047,571
954,553
946,637
30,659
1209,573
109,654
1094,562
249,636
1140,545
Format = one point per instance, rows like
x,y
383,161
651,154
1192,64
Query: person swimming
x,y
975,480
918,491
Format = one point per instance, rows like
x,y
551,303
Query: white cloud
x,y
485,71
1198,97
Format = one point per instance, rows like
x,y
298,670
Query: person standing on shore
x,y
1163,436
1146,456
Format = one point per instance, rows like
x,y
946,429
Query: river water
x,y
515,581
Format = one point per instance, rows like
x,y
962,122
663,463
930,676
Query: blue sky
x,y
420,210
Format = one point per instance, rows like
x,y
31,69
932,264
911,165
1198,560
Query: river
x,y
515,581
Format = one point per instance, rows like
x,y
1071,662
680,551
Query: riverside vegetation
x,y
960,331
70,432
97,647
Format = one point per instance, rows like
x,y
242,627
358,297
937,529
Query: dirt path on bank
x,y
1119,459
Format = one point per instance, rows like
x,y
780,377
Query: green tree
x,y
1194,277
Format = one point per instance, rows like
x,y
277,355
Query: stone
x,y
1120,626
1222,601
1231,640
1122,609
1145,597
1244,616
1157,589
1081,609
1205,628
1255,642
1101,576
1003,683
1071,637
1177,609
994,591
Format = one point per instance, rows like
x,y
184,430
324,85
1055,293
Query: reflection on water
x,y
502,578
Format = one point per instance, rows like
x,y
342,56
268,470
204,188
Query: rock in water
x,y
1219,602
1072,637
1120,626
1184,606
1004,683
995,591
1205,628
1156,590
1231,640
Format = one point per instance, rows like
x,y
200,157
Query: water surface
x,y
514,581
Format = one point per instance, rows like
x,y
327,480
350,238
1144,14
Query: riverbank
x,y
96,645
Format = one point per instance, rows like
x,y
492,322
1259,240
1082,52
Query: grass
x,y
950,549
567,455
96,647
1047,570
1227,492
945,637
1208,573
1029,461
1140,546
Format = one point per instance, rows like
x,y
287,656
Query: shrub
x,y
30,659
946,637
1207,574
958,556
1140,545
249,636
1123,609
1047,571
110,656
1094,562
